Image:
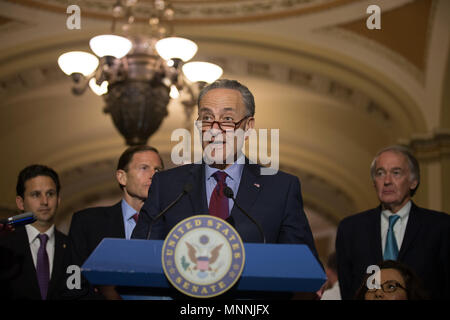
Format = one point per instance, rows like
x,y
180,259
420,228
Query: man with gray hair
x,y
396,230
273,202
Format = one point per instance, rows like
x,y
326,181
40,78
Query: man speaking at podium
x,y
262,208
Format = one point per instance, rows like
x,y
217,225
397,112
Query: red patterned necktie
x,y
136,217
218,204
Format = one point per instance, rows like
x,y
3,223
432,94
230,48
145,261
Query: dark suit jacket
x,y
21,279
90,226
274,201
425,249
87,230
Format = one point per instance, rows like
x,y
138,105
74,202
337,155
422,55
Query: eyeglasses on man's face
x,y
205,124
388,287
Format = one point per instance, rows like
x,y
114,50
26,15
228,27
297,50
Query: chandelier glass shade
x,y
98,89
110,45
138,73
78,62
176,48
196,71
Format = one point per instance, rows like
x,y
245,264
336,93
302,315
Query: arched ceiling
x,y
337,91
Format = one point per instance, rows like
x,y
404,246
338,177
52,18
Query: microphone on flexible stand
x,y
186,189
229,194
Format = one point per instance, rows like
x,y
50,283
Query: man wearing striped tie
x,y
41,254
396,230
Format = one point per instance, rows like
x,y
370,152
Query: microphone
x,y
20,219
186,189
229,194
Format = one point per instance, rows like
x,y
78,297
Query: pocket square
x,y
257,185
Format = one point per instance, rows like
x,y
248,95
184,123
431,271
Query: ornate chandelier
x,y
138,72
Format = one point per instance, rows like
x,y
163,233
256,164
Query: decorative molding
x,y
31,78
430,149
199,11
72,175
320,84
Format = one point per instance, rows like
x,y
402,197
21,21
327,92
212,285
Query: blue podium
x,y
136,264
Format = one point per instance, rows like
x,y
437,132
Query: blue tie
x,y
391,249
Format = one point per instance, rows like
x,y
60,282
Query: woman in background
x,y
397,282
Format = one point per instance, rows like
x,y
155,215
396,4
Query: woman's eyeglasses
x,y
388,287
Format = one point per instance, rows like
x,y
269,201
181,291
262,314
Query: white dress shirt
x,y
334,293
35,243
399,226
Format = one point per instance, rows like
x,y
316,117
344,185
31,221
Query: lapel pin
x,y
64,245
257,185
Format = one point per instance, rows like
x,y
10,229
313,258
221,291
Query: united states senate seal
x,y
203,256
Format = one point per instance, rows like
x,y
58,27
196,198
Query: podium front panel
x,y
268,267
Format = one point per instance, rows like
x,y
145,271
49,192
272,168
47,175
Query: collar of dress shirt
x,y
32,232
127,211
234,171
402,213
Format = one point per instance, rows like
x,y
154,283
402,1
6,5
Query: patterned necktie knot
x,y
220,177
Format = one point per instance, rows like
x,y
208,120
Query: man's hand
x,y
324,287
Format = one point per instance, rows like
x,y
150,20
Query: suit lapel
x,y
115,221
28,268
248,187
197,196
412,228
374,233
24,246
58,264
